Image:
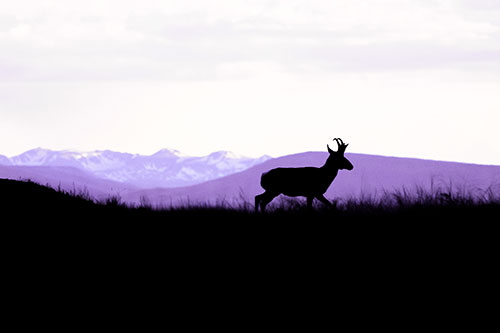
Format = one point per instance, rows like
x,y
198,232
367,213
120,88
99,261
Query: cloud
x,y
186,40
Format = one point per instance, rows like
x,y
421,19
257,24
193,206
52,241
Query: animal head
x,y
337,159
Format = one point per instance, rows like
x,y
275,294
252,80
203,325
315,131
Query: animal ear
x,y
329,150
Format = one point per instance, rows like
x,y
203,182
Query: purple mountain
x,y
137,178
166,168
372,176
4,160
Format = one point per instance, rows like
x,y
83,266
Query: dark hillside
x,y
26,199
20,200
356,241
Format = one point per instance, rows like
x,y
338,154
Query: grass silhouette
x,y
360,240
26,199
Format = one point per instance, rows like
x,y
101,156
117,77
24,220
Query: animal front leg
x,y
310,203
264,199
325,201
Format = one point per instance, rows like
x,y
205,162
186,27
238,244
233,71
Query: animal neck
x,y
329,172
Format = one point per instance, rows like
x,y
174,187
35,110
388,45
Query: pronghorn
x,y
309,182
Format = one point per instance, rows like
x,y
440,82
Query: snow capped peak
x,y
36,152
262,159
4,160
224,154
165,168
87,154
165,152
37,156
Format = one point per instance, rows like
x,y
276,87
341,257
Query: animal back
x,y
295,181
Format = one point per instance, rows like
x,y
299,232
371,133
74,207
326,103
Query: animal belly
x,y
301,191
294,182
293,194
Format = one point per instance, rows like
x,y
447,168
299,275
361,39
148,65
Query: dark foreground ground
x,y
427,254
400,215
403,224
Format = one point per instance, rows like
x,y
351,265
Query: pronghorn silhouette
x,y
309,182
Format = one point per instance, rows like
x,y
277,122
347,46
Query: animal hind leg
x,y
258,199
324,200
310,203
266,198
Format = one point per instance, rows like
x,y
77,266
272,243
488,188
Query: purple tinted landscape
x,y
169,178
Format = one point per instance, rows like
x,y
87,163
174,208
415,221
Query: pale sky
x,y
409,78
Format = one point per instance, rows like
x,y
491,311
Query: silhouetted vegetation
x,y
356,238
26,200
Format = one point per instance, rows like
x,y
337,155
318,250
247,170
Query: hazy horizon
x,y
236,154
405,78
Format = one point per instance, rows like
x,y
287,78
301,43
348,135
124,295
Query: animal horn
x,y
338,143
341,144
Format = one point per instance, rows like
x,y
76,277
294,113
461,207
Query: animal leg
x,y
310,203
258,199
266,198
324,200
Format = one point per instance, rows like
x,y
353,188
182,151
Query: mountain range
x,y
226,177
165,168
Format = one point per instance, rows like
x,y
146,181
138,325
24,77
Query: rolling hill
x,y
68,179
372,175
